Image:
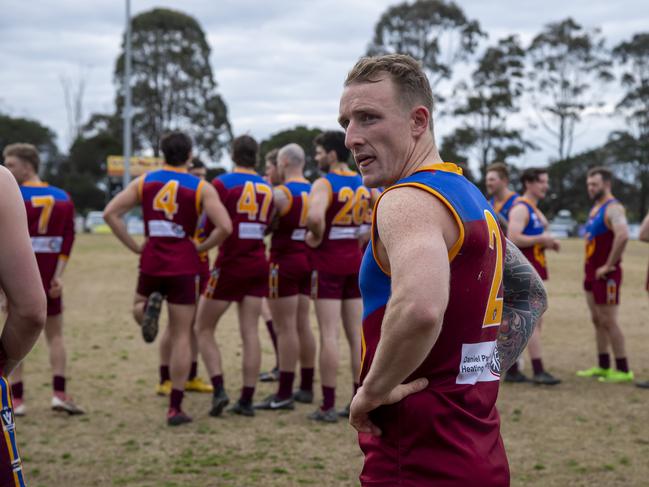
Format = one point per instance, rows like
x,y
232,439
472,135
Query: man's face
x,y
20,169
494,183
539,188
377,131
596,187
324,159
199,172
271,173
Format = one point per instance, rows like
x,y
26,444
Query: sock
x,y
306,379
328,397
273,337
514,368
621,364
193,372
246,394
58,383
17,390
285,385
537,366
604,360
356,386
217,383
176,399
164,373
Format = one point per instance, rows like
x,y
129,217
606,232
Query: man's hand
x,y
363,404
549,242
601,272
56,288
311,240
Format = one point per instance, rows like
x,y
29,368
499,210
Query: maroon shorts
x,y
54,305
226,285
334,286
203,278
11,466
289,275
605,291
176,289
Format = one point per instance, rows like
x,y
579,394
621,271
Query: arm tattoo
x,y
616,215
524,302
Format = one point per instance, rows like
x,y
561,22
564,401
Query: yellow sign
x,y
139,165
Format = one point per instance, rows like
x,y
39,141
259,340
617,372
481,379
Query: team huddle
x,y
437,289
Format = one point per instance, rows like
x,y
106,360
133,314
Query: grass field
x,y
580,433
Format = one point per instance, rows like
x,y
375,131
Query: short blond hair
x,y
25,152
500,168
406,73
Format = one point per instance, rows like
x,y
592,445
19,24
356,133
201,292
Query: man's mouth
x,y
364,160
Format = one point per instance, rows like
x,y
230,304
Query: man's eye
x,y
366,117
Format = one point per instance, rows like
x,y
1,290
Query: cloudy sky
x,y
278,63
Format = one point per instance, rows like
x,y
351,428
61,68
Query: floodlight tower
x,y
127,100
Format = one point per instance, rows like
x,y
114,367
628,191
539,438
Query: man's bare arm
x,y
19,278
644,229
617,221
218,216
318,204
524,302
518,219
126,200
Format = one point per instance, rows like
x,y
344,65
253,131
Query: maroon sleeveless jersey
x,y
340,253
449,433
249,201
170,200
599,240
288,237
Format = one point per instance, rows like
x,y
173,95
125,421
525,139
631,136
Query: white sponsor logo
x,y
343,233
47,245
7,419
165,228
251,231
478,363
299,234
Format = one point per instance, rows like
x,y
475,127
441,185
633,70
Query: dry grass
x,y
579,433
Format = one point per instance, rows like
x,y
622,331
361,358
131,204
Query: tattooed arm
x,y
524,302
616,219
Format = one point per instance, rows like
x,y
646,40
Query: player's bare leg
x,y
267,317
17,390
307,351
328,314
284,311
352,314
541,376
208,315
181,317
602,341
248,311
607,314
54,337
146,311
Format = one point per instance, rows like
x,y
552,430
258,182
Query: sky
x,y
277,63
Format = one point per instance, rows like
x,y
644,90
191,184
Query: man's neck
x,y
607,196
34,179
422,154
339,166
243,168
531,198
501,195
290,174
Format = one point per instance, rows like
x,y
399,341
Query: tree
x,y
567,61
172,83
487,102
17,129
435,32
301,135
633,145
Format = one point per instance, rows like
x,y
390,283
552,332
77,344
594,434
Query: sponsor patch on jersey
x,y
165,228
478,363
47,245
343,233
299,234
251,231
7,419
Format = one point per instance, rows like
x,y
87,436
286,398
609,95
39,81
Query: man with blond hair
x,y
434,337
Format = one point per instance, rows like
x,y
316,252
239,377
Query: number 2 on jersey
x,y
494,312
165,199
247,202
356,203
46,203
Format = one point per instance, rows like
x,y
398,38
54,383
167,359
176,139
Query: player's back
x,y
339,252
599,238
289,236
50,217
453,426
171,207
249,201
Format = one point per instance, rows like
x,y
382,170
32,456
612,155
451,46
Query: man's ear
x,y
419,120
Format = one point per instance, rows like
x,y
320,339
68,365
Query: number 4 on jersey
x,y
165,199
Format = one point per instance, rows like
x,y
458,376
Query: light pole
x,y
127,100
